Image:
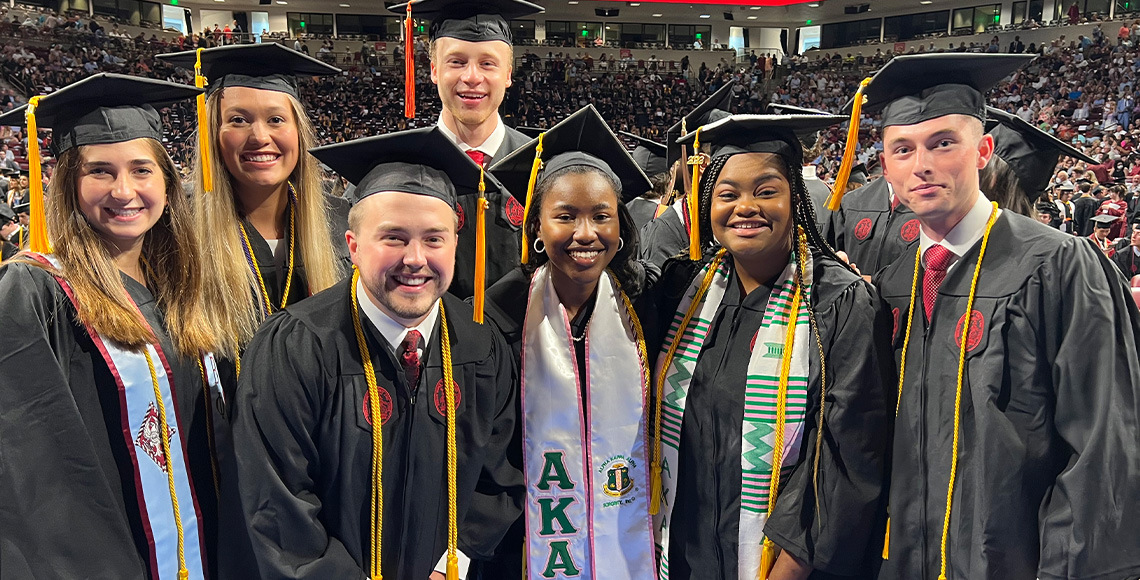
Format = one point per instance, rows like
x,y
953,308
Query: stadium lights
x,y
925,2
635,4
657,16
344,5
813,5
706,15
572,2
750,18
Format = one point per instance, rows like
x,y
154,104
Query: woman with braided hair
x,y
776,354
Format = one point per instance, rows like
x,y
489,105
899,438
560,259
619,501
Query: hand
x,y
789,567
846,260
437,576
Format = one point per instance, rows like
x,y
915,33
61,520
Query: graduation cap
x,y
582,139
469,20
1031,153
7,214
720,101
807,140
649,155
20,208
268,66
1048,207
100,109
779,134
421,162
531,132
859,174
1105,219
914,88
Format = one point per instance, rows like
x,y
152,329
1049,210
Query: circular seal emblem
x,y
895,316
462,216
618,481
385,406
514,211
440,397
863,228
909,231
977,327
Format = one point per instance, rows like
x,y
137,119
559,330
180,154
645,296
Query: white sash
x,y
140,415
587,472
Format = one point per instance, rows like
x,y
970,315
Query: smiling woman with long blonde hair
x,y
258,204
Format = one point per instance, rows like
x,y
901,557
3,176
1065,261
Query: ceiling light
x,y
925,2
635,3
813,5
657,16
706,16
752,18
572,2
754,8
282,2
607,28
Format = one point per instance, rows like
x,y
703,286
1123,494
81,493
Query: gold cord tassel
x,y
767,559
203,129
409,66
887,540
534,169
694,194
37,225
452,450
844,173
480,250
377,495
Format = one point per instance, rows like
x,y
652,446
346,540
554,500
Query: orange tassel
x,y
37,226
480,251
694,208
534,169
844,173
767,559
409,66
655,489
203,130
887,540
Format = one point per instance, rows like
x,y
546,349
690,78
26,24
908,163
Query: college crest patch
x,y
895,328
974,336
440,397
863,228
909,231
514,211
149,438
385,406
462,217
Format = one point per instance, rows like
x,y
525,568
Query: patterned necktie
x,y
410,357
477,156
938,260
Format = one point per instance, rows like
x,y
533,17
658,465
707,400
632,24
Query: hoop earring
x,y
537,249
621,244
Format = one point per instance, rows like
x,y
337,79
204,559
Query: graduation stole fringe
x,y
958,391
586,466
377,511
776,396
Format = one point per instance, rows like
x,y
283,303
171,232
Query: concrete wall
x,y
1037,36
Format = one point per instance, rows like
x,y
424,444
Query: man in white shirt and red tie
x,y
472,60
1014,454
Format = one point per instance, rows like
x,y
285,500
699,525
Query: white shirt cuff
x,y
464,564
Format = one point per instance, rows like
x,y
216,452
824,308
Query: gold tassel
x,y
203,129
480,250
37,225
694,192
887,540
767,559
409,66
534,169
844,173
655,489
452,449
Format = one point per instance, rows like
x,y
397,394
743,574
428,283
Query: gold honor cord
x,y
535,167
267,305
655,491
958,391
164,436
377,511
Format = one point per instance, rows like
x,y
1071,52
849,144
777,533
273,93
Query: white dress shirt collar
x,y
489,147
963,236
393,331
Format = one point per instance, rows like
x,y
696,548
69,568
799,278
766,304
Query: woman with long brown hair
x,y
259,209
109,396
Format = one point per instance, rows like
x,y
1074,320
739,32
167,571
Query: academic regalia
x,y
651,157
305,473
665,236
818,191
1126,259
1047,428
705,519
7,250
871,233
642,210
7,215
1031,153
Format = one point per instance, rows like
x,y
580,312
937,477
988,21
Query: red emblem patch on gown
x,y
385,406
863,228
909,231
462,217
514,211
895,316
440,397
974,337
149,438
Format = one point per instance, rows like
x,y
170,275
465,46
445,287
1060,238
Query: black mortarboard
x,y
1031,153
760,133
914,88
20,208
859,174
268,66
648,154
1104,218
103,108
1048,207
419,161
531,132
470,20
720,101
806,139
7,214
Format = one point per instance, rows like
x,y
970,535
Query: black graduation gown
x,y
274,277
663,237
842,539
7,250
642,210
1048,458
869,231
1127,261
305,467
504,229
819,191
1084,207
70,506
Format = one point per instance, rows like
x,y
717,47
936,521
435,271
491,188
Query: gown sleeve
x,y
839,532
277,406
1090,523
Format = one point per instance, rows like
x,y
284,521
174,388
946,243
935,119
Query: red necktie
x,y
410,357
938,260
894,202
477,156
